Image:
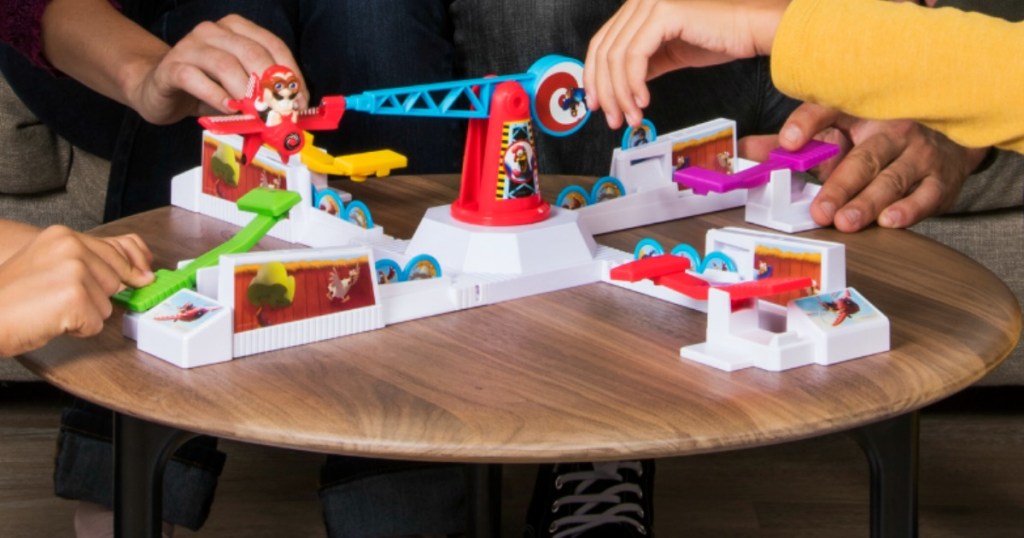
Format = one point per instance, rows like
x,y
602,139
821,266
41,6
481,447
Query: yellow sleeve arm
x,y
957,72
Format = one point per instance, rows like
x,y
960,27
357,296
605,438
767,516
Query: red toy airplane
x,y
269,115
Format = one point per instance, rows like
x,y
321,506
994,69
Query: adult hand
x,y
206,68
61,283
894,172
103,49
647,38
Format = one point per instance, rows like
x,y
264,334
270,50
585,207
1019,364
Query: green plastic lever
x,y
269,205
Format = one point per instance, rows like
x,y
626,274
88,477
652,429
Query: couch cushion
x,y
43,179
12,370
27,141
993,239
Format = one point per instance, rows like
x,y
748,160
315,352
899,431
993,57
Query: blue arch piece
x,y
388,271
646,130
647,247
687,251
422,267
718,260
607,188
327,198
357,213
573,197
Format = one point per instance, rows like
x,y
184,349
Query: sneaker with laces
x,y
593,500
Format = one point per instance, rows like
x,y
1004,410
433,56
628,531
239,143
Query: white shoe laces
x,y
618,511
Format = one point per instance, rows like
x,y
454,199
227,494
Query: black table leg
x,y
891,447
483,499
141,451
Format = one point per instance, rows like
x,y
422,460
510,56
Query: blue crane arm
x,y
553,83
457,99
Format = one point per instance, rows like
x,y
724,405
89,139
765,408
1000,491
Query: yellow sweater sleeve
x,y
957,72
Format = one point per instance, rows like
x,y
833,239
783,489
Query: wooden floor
x,y
971,480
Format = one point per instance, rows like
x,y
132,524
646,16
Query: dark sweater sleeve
x,y
21,26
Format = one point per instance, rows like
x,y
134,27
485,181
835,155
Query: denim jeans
x,y
346,47
85,467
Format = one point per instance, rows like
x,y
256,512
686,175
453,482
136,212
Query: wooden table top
x,y
584,374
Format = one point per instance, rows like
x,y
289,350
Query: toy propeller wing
x,y
238,124
267,115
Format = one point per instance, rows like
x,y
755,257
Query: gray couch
x,y
45,180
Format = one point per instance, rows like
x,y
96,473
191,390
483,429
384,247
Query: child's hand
x,y
647,38
61,283
206,68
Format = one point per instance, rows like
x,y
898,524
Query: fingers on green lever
x,y
145,298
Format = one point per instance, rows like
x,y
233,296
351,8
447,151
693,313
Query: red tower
x,y
499,171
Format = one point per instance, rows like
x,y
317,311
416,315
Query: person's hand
x,y
61,283
97,45
647,38
894,172
206,68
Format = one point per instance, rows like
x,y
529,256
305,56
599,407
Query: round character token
x,y
607,188
573,197
329,202
357,213
719,262
422,267
388,271
634,137
647,247
687,251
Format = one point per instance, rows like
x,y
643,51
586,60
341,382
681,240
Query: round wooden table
x,y
590,373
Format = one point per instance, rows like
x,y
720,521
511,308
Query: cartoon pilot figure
x,y
572,99
520,167
522,161
278,99
639,137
